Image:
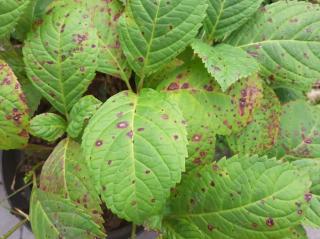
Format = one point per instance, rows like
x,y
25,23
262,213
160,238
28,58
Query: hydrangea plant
x,y
213,138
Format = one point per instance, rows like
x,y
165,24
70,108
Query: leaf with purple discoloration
x,y
14,112
105,16
262,131
59,54
207,110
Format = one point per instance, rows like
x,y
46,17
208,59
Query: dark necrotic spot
x,y
269,222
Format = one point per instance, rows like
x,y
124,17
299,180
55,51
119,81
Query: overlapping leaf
x,y
48,126
262,132
207,110
80,114
10,12
242,197
299,131
284,38
55,217
105,16
14,112
225,16
312,168
65,173
153,32
227,64
135,146
61,55
13,56
34,10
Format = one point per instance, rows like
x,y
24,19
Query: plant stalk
x,y
133,231
15,192
13,229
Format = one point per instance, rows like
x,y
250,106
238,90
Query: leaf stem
x,y
141,81
126,80
13,229
133,231
15,192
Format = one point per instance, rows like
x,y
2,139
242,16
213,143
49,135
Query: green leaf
x,y
106,15
242,197
283,37
65,173
14,112
155,79
299,131
61,56
227,64
13,56
225,16
311,167
262,132
297,233
152,35
286,95
80,114
55,217
207,110
135,146
34,10
48,126
10,12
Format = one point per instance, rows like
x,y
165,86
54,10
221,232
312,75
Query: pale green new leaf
x,y
299,131
135,146
54,217
262,132
312,168
65,173
10,12
80,114
241,197
48,126
61,55
152,33
207,110
284,38
225,16
227,64
14,112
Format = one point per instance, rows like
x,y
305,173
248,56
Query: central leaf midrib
x,y
218,19
151,39
186,215
135,103
60,71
